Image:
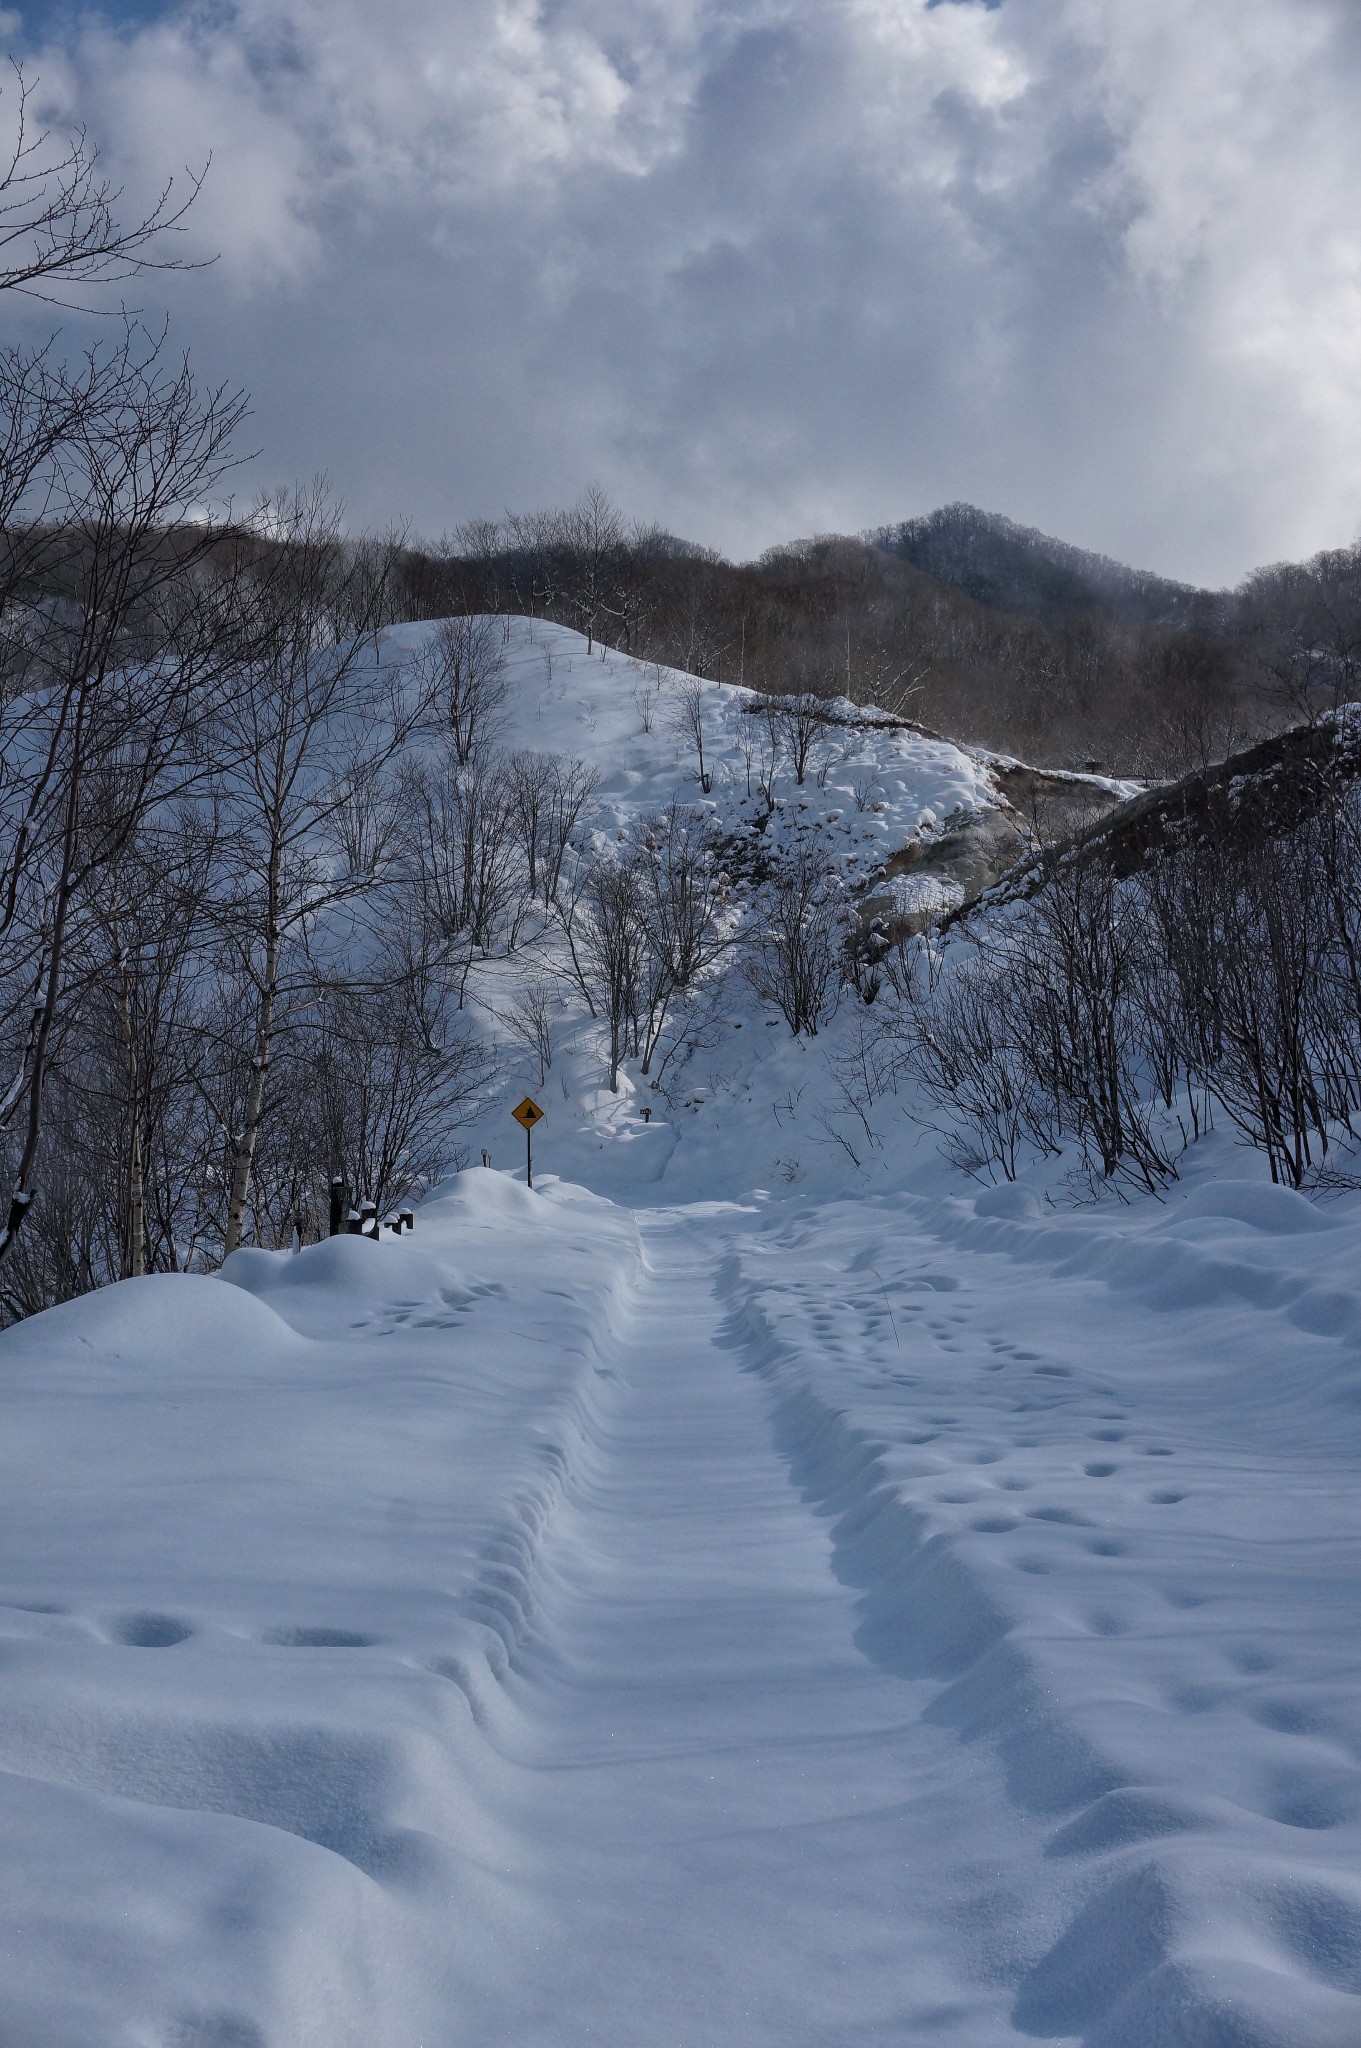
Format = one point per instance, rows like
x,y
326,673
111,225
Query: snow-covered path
x,y
744,1832
841,1624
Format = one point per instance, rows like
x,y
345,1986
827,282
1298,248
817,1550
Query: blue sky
x,y
768,267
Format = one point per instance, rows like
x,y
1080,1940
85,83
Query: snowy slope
x,y
871,789
730,1596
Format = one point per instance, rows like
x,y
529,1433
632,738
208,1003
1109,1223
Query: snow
x,y
735,1594
562,700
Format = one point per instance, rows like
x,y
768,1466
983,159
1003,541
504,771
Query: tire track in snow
x,y
732,1825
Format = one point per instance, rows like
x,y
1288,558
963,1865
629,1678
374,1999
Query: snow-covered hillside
x,y
748,1106
757,1588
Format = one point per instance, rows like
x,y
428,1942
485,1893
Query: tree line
x,y
1089,678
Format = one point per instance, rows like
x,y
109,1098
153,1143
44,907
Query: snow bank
x,y
269,1550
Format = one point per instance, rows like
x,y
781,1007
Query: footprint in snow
x,y
150,1631
1197,1699
1287,1717
1311,1799
1252,1659
317,1639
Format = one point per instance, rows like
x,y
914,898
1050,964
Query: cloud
x,y
764,266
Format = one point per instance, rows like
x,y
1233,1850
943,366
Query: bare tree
x,y
307,720
59,224
795,943
572,784
803,720
682,891
647,688
107,679
688,721
494,876
143,1037
609,947
530,1020
592,532
394,1073
462,669
533,780
1246,929
1075,986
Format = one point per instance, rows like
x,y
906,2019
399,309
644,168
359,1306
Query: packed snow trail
x,y
835,1624
745,1835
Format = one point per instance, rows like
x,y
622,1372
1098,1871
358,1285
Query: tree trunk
x,y
136,1201
46,1012
244,1158
254,1108
134,1251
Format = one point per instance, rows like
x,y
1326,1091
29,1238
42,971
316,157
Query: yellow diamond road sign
x,y
528,1113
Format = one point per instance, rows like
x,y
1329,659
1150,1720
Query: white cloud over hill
x,y
776,266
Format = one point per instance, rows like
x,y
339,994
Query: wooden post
x,y
407,1219
340,1204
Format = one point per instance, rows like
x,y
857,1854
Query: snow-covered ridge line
x,y
1269,787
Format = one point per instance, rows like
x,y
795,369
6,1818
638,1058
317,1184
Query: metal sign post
x,y
527,1114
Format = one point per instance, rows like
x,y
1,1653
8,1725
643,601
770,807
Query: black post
x,y
529,1154
353,1223
368,1219
407,1218
340,1204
